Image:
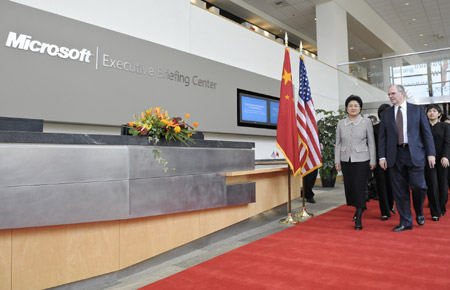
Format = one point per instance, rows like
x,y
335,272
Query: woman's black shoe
x,y
358,223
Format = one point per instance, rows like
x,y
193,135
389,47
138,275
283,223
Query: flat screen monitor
x,y
273,107
257,110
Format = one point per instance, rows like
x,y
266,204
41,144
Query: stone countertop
x,y
93,139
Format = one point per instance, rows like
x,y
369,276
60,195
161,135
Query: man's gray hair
x,y
400,88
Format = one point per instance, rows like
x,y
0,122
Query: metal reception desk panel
x,y
156,196
62,184
54,184
45,205
61,164
188,161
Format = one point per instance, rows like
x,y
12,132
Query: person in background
x,y
373,119
371,188
436,178
405,144
447,121
383,183
309,182
355,154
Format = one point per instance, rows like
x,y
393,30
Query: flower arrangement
x,y
157,124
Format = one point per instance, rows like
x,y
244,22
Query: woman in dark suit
x,y
355,154
437,177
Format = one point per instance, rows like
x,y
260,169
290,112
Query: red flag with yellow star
x,y
287,131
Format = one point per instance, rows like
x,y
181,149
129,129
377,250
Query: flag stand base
x,y
289,220
304,214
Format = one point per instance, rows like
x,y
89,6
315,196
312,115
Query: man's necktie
x,y
399,122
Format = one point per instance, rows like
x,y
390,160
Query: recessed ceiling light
x,y
425,44
351,47
414,19
407,4
363,58
421,35
315,18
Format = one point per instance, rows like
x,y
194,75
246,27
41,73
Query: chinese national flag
x,y
287,131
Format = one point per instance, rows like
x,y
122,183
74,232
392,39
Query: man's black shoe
x,y
401,228
311,200
420,220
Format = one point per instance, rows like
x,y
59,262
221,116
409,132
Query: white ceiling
x,y
423,24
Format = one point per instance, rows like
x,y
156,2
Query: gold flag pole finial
x,y
285,39
301,48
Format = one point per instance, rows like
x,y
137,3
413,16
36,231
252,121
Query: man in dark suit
x,y
405,145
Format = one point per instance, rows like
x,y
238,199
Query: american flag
x,y
310,157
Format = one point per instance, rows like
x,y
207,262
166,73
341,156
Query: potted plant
x,y
326,127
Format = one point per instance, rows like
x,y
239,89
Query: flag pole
x,y
289,219
303,214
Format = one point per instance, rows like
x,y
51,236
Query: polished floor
x,y
211,246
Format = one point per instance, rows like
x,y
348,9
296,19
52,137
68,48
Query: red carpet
x,y
327,253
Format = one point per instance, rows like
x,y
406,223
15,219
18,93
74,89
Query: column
x,y
331,29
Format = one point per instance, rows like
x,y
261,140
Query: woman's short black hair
x,y
434,106
354,98
373,118
382,108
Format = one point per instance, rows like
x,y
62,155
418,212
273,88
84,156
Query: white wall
x,y
163,22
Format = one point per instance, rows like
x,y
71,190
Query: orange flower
x,y
187,115
195,124
130,124
177,129
149,112
165,121
157,110
172,124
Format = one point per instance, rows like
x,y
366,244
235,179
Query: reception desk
x,y
77,206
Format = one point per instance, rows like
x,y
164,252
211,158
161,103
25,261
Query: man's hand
x,y
431,161
383,164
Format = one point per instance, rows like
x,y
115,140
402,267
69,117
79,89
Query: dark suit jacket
x,y
441,136
420,140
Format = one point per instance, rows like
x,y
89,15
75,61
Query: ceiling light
x,y
414,19
351,47
421,35
281,3
363,58
425,44
315,18
407,4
